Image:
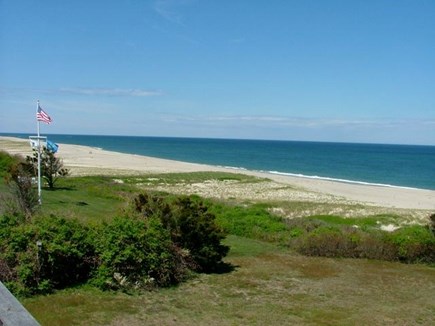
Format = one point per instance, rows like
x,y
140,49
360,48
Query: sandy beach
x,y
84,160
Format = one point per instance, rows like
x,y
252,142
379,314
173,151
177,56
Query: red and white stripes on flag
x,y
41,115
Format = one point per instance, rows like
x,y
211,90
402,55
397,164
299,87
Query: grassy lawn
x,y
269,285
88,199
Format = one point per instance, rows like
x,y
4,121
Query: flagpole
x,y
39,159
37,120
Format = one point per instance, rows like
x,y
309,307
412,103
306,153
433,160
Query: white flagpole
x,y
39,160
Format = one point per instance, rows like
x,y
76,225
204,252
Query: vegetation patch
x,y
361,238
136,254
191,225
44,254
159,240
189,178
158,246
7,162
358,222
252,221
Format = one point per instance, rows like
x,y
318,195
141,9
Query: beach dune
x,y
85,160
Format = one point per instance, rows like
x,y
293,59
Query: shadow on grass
x,y
60,188
223,268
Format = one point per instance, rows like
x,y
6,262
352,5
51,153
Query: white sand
x,y
84,160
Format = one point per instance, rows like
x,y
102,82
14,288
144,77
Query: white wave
x,y
232,167
339,180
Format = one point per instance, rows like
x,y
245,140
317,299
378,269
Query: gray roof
x,y
12,312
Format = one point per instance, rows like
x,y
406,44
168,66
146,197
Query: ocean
x,y
389,165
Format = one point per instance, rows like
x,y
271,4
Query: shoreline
x,y
412,180
86,160
356,182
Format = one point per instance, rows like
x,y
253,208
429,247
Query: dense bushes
x,y
47,254
160,247
410,244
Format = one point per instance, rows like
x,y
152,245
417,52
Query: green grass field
x,y
266,284
269,285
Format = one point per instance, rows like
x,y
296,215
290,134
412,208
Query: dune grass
x,y
191,177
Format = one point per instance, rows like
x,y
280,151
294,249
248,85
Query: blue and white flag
x,y
52,147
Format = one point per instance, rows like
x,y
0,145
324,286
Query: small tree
x,y
191,225
51,166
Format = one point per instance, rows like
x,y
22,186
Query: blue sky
x,y
352,71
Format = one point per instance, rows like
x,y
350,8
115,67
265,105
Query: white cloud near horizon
x,y
110,91
88,91
300,122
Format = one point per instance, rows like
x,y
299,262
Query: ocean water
x,y
390,165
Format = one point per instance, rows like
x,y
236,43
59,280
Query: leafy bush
x,y
137,253
327,241
191,227
52,253
372,245
7,161
413,243
48,253
346,242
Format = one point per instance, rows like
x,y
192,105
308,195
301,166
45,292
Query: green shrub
x,y
137,253
329,242
7,161
414,243
194,228
51,253
372,245
48,253
191,226
305,224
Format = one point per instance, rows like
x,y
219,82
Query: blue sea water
x,y
390,165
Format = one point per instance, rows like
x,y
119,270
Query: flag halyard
x,y
41,115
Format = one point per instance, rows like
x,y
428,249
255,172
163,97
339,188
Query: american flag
x,y
41,115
